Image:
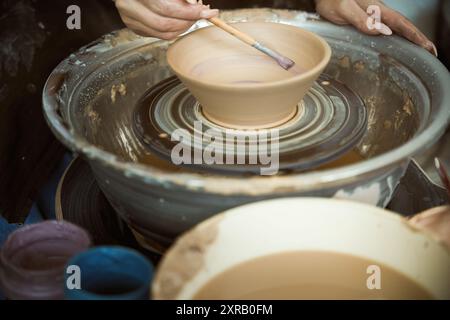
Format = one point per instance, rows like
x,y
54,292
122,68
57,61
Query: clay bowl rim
x,y
265,85
382,214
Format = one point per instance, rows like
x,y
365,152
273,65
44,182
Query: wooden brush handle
x,y
233,31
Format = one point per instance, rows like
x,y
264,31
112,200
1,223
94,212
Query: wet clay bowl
x,y
304,228
240,87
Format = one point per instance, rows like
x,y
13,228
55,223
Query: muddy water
x,y
310,275
349,158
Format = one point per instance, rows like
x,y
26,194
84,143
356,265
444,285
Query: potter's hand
x,y
354,12
436,222
163,19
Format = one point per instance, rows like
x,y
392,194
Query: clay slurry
x,y
309,275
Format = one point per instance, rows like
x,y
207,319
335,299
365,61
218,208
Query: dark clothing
x,y
33,40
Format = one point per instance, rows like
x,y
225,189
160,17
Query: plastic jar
x,y
33,259
111,273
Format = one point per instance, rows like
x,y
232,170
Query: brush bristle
x,y
283,61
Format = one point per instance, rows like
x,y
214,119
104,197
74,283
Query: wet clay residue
x,y
112,40
345,62
91,114
392,115
118,88
184,261
347,159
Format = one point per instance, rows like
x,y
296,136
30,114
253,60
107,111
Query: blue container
x,y
108,273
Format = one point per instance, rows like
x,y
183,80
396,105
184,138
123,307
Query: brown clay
x,y
308,275
240,87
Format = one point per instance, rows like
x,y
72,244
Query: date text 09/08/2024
x,y
226,310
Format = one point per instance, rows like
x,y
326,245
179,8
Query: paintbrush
x,y
443,174
283,61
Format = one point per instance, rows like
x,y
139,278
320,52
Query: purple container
x,y
33,259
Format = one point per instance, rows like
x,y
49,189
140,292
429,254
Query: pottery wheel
x,y
329,122
79,200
